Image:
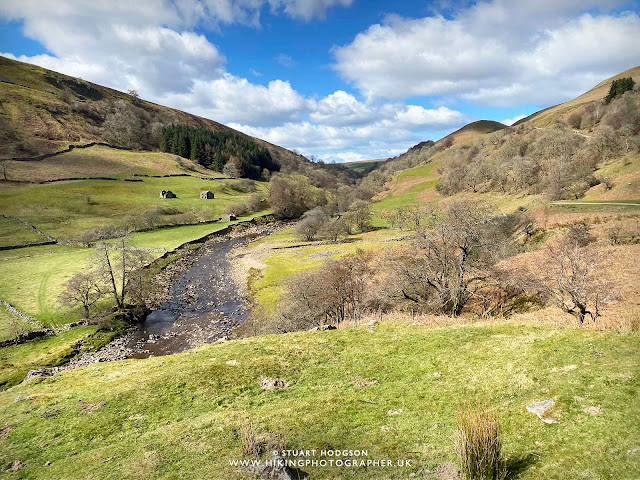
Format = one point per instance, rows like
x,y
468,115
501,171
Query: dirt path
x,y
595,203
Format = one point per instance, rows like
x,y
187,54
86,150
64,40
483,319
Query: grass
x,y
36,292
65,210
13,233
17,360
282,264
100,161
33,278
9,323
181,416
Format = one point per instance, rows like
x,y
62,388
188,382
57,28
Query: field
x,y
182,415
65,210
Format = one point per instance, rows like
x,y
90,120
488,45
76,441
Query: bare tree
x,y
83,289
117,263
451,259
571,279
311,223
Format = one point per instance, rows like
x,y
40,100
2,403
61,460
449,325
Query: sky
x,y
341,80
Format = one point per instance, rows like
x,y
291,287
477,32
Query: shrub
x,y
575,120
479,445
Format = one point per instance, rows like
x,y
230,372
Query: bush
x,y
575,120
479,445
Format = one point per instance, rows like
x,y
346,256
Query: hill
x,y
471,132
392,390
549,116
363,167
42,111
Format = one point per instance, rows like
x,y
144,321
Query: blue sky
x,y
338,79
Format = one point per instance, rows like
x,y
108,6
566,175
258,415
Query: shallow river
x,y
204,305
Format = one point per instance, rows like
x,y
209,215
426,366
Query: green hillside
x,y
391,390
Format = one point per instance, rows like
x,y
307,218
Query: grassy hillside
x,y
471,132
549,116
44,111
365,166
392,390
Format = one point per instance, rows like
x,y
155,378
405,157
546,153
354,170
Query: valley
x,y
276,303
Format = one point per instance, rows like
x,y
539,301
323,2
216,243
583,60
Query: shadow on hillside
x,y
518,464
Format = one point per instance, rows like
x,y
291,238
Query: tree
x,y
311,223
335,292
618,87
452,258
572,280
231,170
135,97
117,263
82,289
361,215
291,195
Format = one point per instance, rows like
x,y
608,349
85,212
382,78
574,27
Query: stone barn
x,y
229,217
206,195
167,194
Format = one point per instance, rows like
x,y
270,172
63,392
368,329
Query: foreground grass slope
x,y
180,416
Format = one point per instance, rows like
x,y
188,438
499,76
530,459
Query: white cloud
x,y
498,52
284,60
511,121
234,99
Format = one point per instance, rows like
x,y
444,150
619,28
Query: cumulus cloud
x,y
234,99
494,53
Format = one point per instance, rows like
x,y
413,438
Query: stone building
x,y
206,195
167,194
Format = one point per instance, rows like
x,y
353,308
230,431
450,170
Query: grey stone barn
x,y
167,194
229,217
206,195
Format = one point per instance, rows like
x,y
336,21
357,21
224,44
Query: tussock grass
x,y
479,445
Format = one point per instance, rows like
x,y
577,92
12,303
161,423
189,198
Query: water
x,y
204,305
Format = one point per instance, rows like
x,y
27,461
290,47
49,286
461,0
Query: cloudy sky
x,y
339,79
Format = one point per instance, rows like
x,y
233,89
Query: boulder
x,y
541,408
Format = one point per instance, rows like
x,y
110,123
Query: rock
x,y
372,323
394,412
233,363
221,340
22,399
633,451
38,373
275,469
539,443
437,374
17,465
541,408
322,328
47,463
267,384
593,410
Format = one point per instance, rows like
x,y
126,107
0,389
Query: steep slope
x,y
42,111
549,116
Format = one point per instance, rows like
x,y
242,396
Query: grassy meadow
x,y
392,390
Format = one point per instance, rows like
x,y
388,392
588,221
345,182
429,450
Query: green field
x,y
180,416
65,210
17,360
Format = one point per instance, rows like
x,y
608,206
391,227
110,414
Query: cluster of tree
x,y
618,87
223,151
254,203
319,222
335,292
